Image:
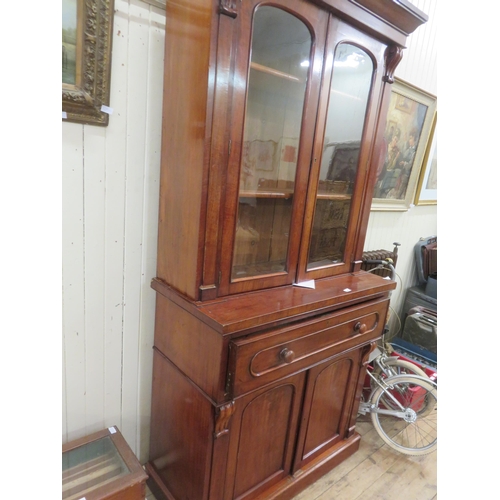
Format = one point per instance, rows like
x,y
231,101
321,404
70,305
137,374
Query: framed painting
x,y
86,60
427,183
408,128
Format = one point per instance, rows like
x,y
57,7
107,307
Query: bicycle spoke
x,y
411,431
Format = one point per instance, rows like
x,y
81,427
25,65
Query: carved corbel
x,y
365,353
393,56
228,8
222,417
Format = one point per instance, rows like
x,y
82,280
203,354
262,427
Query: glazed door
x,y
262,438
306,90
328,404
278,64
343,153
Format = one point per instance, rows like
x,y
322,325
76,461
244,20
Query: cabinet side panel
x,y
181,437
191,345
187,57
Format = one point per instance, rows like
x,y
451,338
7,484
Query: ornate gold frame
x,y
82,102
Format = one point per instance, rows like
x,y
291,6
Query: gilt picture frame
x,y
86,60
427,184
406,138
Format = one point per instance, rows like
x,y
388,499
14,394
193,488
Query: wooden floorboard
x,y
375,472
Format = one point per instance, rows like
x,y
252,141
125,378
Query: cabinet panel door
x,y
328,404
262,438
278,60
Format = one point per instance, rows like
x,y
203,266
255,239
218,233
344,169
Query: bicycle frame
x,y
380,361
368,407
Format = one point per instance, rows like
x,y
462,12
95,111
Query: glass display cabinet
x,y
273,120
101,467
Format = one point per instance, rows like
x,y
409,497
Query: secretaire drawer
x,y
262,358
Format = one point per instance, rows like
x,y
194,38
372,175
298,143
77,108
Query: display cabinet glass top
x,y
95,466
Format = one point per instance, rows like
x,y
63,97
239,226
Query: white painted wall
x,y
110,182
110,200
418,67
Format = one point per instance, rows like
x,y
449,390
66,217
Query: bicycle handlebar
x,y
386,262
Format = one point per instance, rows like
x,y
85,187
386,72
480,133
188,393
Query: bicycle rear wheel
x,y
414,430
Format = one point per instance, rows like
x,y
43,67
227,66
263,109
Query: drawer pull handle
x,y
287,355
360,327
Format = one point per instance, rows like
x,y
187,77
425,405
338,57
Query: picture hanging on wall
x,y
406,138
86,60
427,184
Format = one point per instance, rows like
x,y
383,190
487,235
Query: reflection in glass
x,y
349,93
281,48
88,467
69,40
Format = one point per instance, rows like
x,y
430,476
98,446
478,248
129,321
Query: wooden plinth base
x,y
288,487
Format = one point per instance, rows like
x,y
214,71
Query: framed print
x,y
406,137
86,60
261,155
427,183
287,162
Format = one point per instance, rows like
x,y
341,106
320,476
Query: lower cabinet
x,y
257,416
277,431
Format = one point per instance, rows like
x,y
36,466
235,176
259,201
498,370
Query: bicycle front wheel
x,y
409,423
394,366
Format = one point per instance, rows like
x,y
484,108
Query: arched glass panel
x,y
280,58
349,93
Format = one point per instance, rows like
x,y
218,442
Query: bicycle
x,y
402,402
403,410
385,365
